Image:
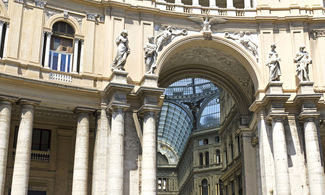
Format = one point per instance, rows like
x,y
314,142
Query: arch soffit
x,y
224,45
60,17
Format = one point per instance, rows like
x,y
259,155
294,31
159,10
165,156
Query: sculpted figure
x,y
150,55
206,22
274,64
166,37
123,51
243,39
303,60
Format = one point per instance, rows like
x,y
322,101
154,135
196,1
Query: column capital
x,y
80,110
30,102
6,98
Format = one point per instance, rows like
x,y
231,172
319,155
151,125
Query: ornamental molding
x,y
317,33
40,3
95,17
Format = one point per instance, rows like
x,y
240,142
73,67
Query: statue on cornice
x,y
274,64
122,52
150,55
206,22
166,36
245,41
303,61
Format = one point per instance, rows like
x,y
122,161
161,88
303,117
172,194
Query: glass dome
x,y
190,104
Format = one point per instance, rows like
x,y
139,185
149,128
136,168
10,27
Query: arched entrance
x,y
234,70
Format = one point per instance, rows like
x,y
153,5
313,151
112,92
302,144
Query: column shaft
x,y
212,3
149,168
5,115
47,49
116,153
75,55
247,4
100,151
230,4
314,165
80,169
282,181
23,152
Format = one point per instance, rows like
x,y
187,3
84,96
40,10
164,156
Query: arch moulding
x,y
60,17
224,45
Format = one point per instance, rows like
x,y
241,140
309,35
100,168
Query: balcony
x,y
244,8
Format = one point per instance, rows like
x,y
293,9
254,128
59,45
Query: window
x,y
206,158
162,184
205,187
217,139
201,159
61,47
238,143
218,160
233,188
32,192
40,139
240,190
201,142
206,141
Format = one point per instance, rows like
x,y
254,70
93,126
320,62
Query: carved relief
x,y
95,17
244,39
40,3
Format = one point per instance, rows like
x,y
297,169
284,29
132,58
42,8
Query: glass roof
x,y
191,103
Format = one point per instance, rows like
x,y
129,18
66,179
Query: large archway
x,y
219,60
230,67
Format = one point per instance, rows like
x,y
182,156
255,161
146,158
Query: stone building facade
x,y
82,87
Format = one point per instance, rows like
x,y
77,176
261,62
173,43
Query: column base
x,y
306,87
274,87
119,76
149,80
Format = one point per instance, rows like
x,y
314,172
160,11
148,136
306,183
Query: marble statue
x,y
122,52
303,61
245,41
166,37
274,64
150,53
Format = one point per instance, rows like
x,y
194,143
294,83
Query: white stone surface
x,y
80,168
116,154
5,116
280,158
23,152
149,168
265,156
100,152
314,164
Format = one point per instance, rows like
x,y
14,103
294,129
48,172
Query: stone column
x,y
230,4
116,153
20,177
100,151
282,181
5,115
195,3
75,55
212,3
47,49
314,164
80,168
149,168
247,4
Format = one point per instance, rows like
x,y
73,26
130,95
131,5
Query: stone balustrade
x,y
212,9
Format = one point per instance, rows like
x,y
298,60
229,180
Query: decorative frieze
x,y
95,17
317,33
